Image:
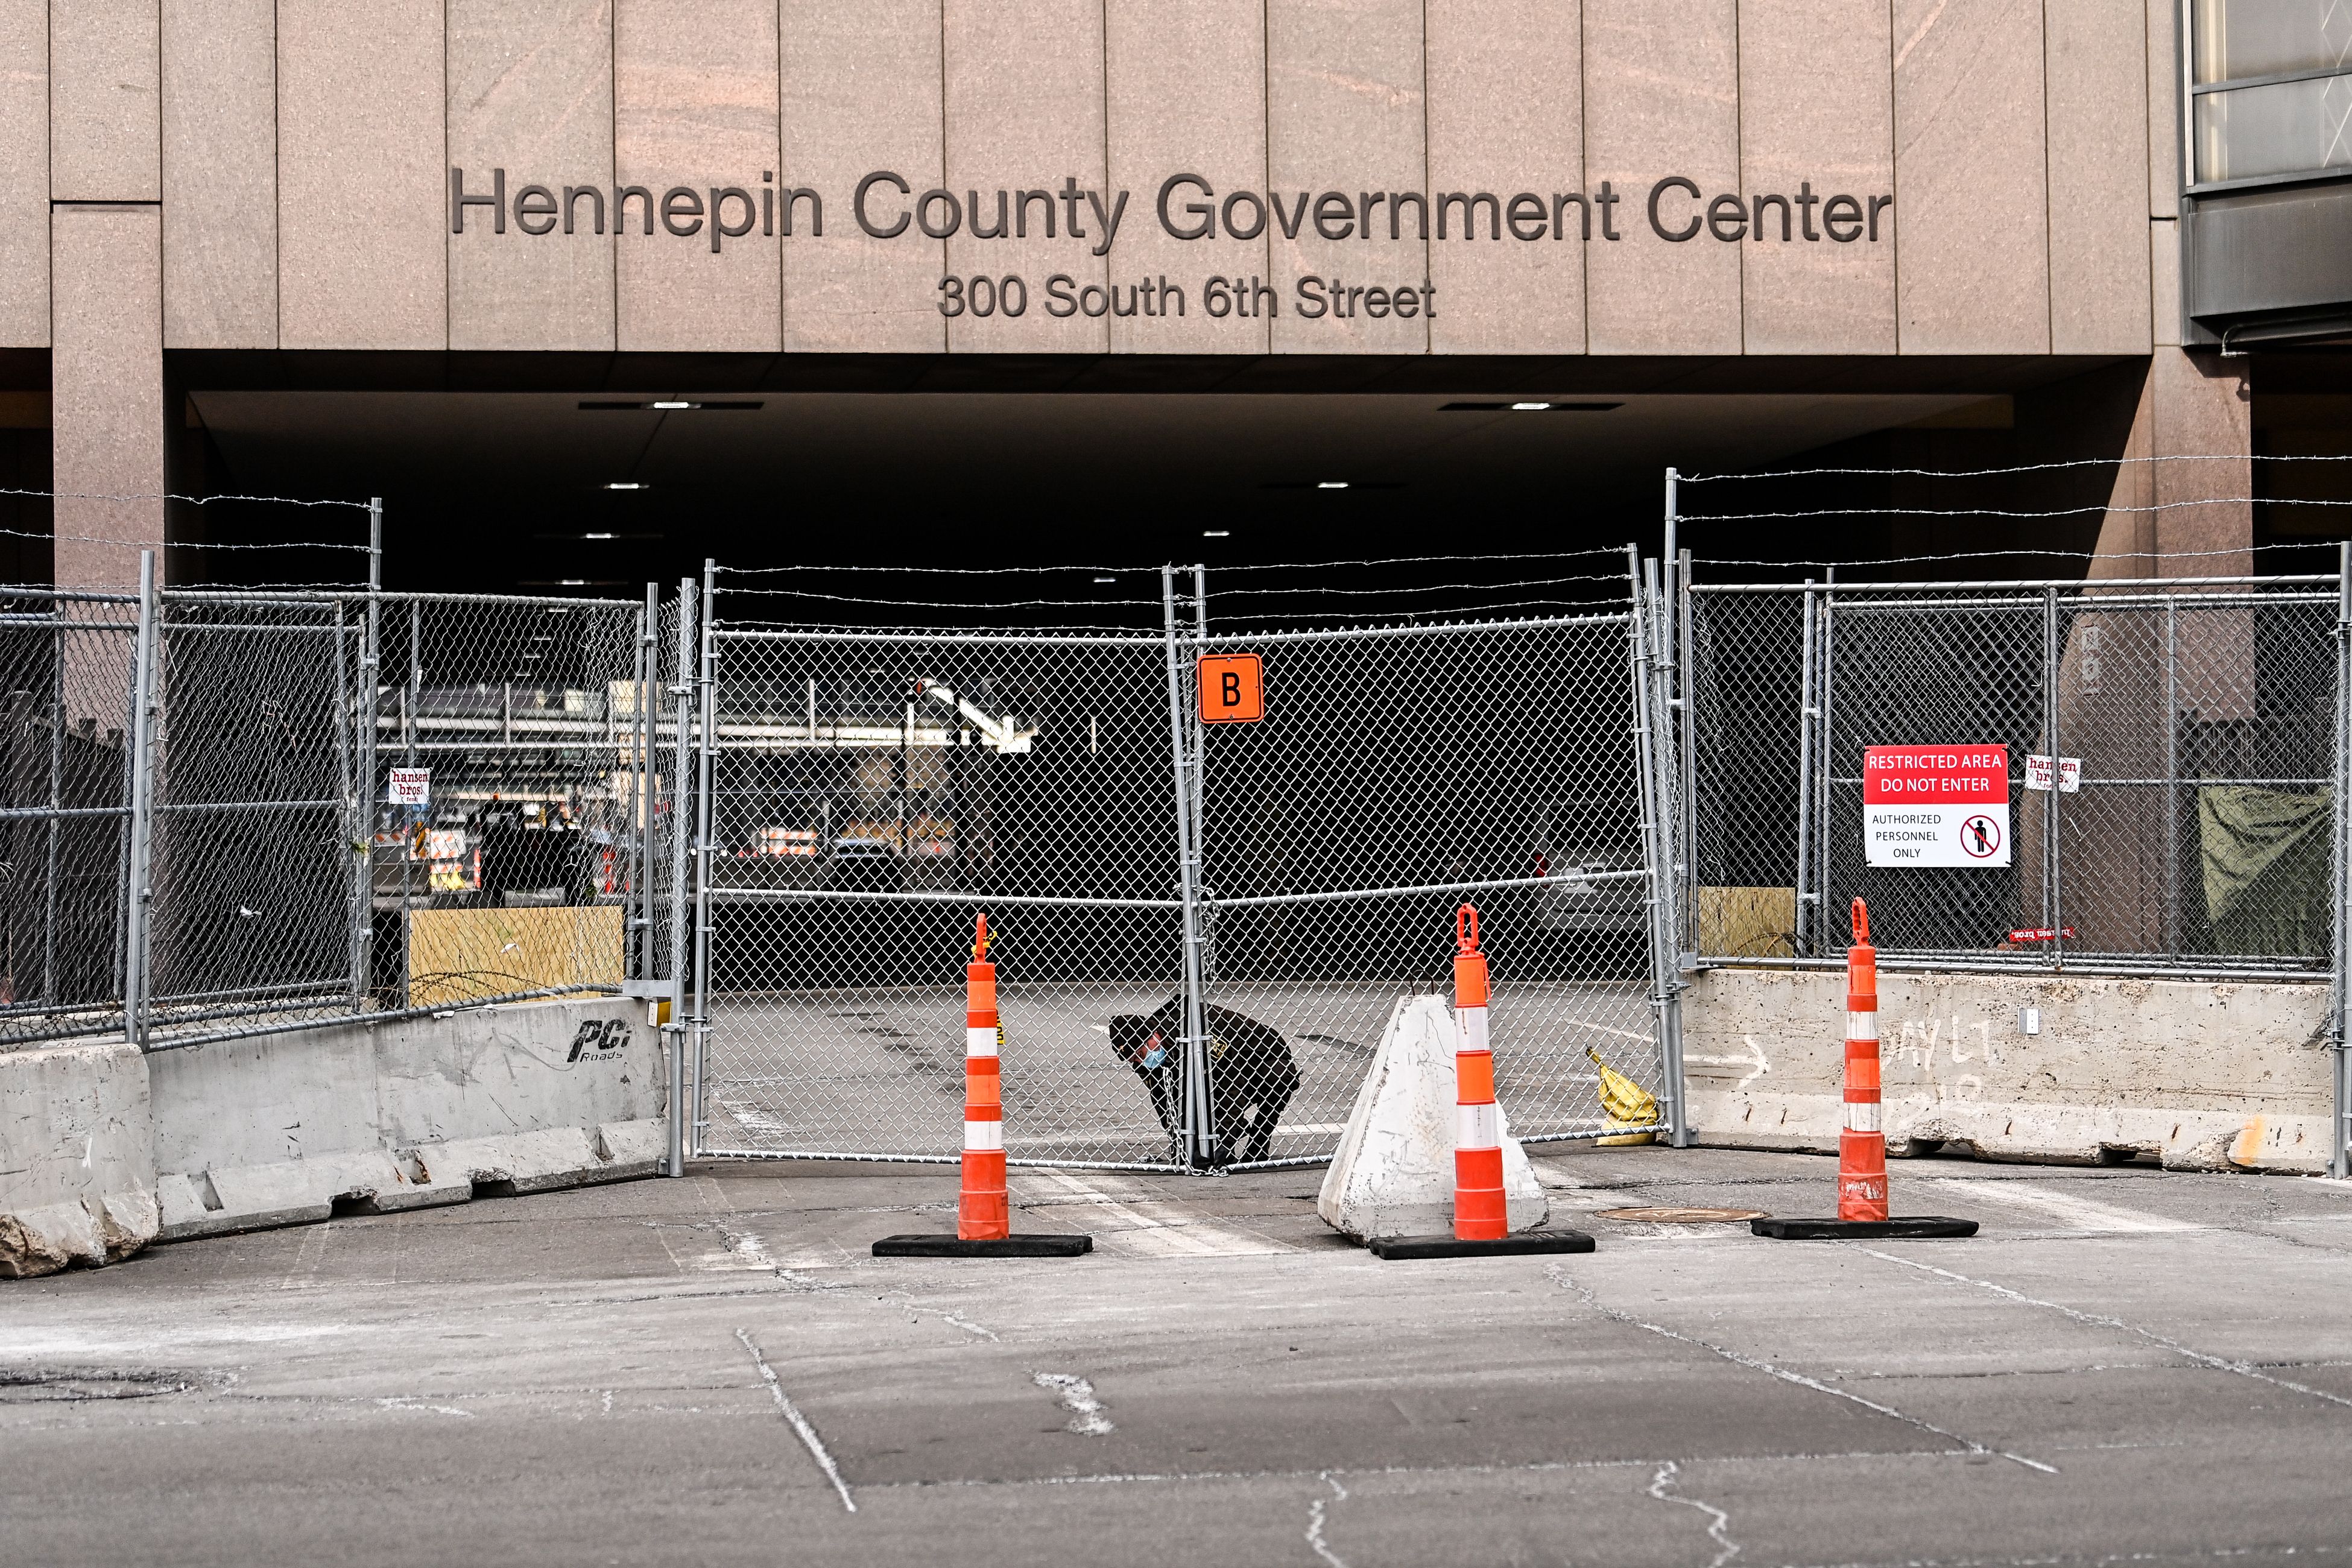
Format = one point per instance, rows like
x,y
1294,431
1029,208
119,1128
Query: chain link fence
x,y
66,667
231,812
2184,826
1200,929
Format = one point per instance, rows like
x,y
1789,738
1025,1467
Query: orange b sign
x,y
1232,688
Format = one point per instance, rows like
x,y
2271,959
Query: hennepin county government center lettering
x,y
1188,207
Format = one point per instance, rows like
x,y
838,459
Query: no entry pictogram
x,y
1980,837
1232,688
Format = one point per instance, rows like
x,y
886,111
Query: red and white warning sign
x,y
1934,806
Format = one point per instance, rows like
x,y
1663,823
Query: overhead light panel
x,y
667,405
1216,533
1527,406
1332,485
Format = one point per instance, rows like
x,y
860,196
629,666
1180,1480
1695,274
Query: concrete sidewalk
x,y
2127,1364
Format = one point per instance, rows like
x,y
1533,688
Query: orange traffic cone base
x,y
1400,1248
1924,1227
937,1246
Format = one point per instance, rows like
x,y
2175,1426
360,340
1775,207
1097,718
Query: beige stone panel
x,y
694,107
107,389
2164,279
1972,262
1347,114
530,91
862,93
363,214
2162,39
24,174
1025,102
1187,95
2098,172
104,89
2203,413
1507,115
1816,109
220,173
1661,98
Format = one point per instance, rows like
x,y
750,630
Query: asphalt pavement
x,y
2126,1366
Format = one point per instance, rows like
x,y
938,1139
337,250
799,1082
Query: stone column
x,y
106,290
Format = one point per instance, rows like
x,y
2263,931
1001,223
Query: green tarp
x,y
2266,868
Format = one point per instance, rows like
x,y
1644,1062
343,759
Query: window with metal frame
x,y
2270,85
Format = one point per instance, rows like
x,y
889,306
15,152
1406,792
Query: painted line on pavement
x,y
1559,1276
1150,1228
2079,1212
2219,1363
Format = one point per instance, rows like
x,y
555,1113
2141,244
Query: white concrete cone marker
x,y
1393,1175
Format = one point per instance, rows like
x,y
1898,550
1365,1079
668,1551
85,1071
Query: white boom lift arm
x,y
1001,734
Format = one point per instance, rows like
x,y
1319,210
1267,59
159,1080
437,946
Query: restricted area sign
x,y
1232,688
1934,806
411,786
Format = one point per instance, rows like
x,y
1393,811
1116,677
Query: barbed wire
x,y
1228,595
2024,550
2018,468
1612,552
192,500
939,604
1928,512
173,543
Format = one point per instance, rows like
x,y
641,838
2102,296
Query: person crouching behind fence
x,y
1252,1075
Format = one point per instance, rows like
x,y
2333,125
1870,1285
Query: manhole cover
x,y
1685,1216
37,1386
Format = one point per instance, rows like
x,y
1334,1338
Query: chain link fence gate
x,y
2197,839
867,793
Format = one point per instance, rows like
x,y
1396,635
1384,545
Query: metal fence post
x,y
1648,755
370,701
2171,778
2339,1164
415,704
1198,1134
1824,931
639,952
1687,795
1806,713
681,796
138,895
2053,884
707,764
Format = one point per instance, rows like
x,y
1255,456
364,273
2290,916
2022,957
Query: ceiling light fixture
x,y
1332,485
1106,579
1216,533
626,485
1529,407
662,404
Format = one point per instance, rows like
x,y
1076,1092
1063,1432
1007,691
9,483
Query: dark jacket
x,y
1252,1074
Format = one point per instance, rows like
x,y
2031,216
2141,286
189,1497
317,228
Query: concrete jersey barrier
x,y
2200,1076
105,1150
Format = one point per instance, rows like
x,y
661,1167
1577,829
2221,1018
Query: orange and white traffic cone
x,y
983,1211
1861,1139
1479,1214
1482,1225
